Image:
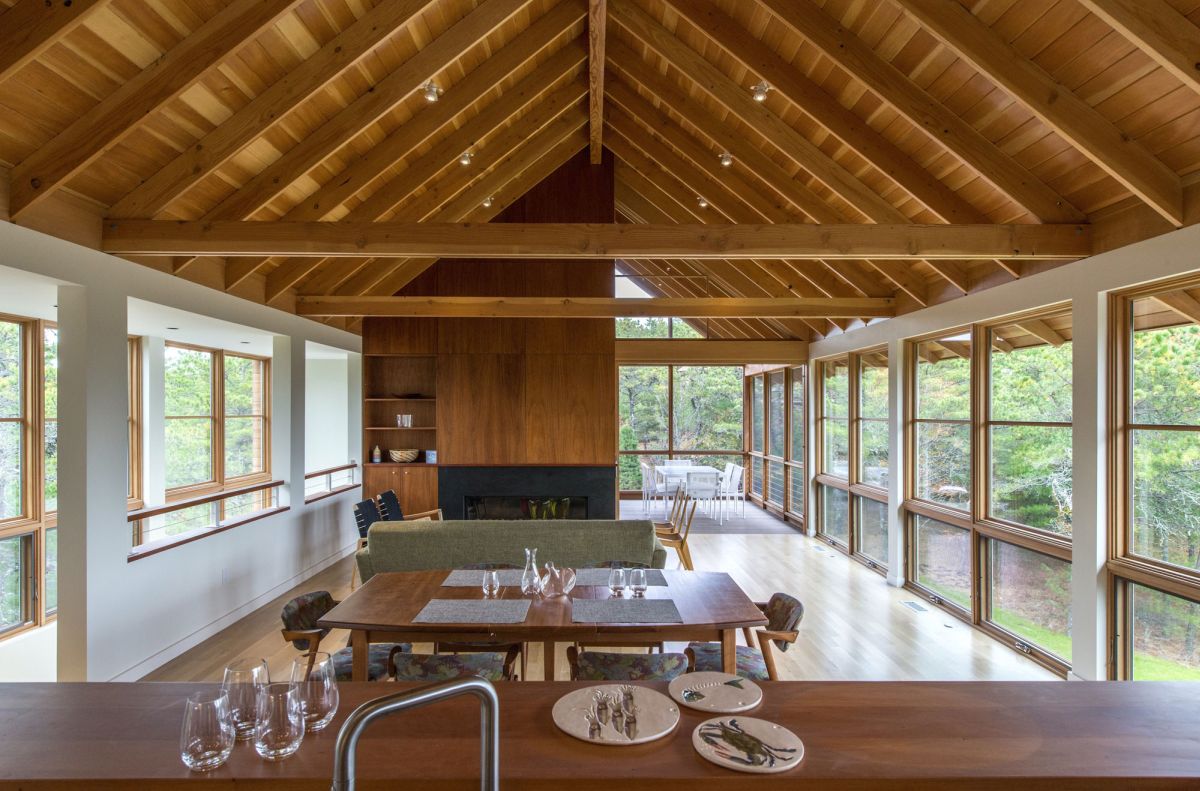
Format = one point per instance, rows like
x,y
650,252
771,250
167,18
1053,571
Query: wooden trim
x,y
359,239
331,493
709,352
178,505
1157,29
330,470
156,548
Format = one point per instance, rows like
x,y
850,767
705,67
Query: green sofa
x,y
414,546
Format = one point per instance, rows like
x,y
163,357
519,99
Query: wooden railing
x,y
155,530
326,483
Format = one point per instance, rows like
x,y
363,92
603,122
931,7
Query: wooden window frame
x,y
793,375
219,482
974,519
796,377
1124,567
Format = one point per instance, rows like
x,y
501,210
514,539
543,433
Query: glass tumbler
x,y
206,738
616,581
279,728
315,679
243,679
491,584
637,581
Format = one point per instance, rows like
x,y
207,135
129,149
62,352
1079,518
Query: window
x,y
659,328
872,419
13,420
871,529
796,447
757,422
217,423
835,418
692,411
776,443
835,514
1155,556
50,419
993,545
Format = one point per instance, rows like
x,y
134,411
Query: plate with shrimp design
x,y
746,744
718,693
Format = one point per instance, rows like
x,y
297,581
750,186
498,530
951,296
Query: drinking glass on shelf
x,y
314,679
616,581
279,726
206,738
637,581
243,679
491,583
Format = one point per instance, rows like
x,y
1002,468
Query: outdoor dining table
x,y
679,473
712,607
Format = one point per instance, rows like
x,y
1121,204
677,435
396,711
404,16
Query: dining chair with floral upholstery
x,y
783,613
491,665
468,647
614,666
300,616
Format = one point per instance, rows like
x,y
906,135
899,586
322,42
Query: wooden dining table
x,y
712,608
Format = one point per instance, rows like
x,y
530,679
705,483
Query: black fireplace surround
x,y
594,487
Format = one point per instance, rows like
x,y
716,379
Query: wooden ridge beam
x,y
1060,109
637,351
737,100
591,307
109,121
937,121
812,100
364,111
30,27
1156,28
597,20
566,240
200,159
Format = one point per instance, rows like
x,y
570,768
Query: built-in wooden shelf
x,y
398,464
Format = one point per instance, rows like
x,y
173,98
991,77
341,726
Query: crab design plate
x,y
747,744
657,716
719,693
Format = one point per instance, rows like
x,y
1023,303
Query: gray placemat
x,y
474,611
473,578
599,577
625,611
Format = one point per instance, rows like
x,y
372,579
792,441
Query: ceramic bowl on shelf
x,y
404,456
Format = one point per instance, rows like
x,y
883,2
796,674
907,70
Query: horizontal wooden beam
x,y
594,307
709,352
560,240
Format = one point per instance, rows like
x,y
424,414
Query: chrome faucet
x,y
364,715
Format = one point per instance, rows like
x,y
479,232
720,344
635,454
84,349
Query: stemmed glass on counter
x,y
616,581
637,581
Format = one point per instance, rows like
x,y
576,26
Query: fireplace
x,y
516,492
533,507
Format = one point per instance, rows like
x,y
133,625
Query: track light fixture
x,y
487,202
432,92
726,159
759,91
701,202
464,158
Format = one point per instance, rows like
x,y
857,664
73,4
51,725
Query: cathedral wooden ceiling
x,y
982,112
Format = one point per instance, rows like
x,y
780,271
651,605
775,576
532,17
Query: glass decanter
x,y
531,581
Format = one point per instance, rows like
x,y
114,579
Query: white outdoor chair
x,y
704,487
677,463
731,489
665,486
651,487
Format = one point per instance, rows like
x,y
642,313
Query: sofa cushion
x,y
415,546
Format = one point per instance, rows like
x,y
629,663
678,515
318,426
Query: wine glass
x,y
616,581
243,678
315,680
491,583
279,727
206,738
637,581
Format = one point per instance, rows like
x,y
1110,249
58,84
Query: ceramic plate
x,y
719,693
657,715
748,744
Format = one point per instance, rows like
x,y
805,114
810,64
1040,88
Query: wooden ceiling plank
x,y
30,27
939,122
199,160
953,273
238,270
902,275
655,351
109,121
1157,29
1059,108
1182,303
597,22
737,100
826,111
592,307
574,240
1042,330
470,89
288,274
368,108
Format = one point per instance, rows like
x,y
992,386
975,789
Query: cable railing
x,y
326,483
160,527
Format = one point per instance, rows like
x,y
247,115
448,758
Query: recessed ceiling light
x,y
464,158
759,92
487,202
432,92
726,159
701,202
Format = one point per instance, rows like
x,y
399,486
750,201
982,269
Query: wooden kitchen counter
x,y
983,735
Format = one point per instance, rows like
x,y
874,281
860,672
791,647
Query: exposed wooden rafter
x,y
597,21
1160,31
30,27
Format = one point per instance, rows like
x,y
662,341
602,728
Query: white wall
x,y
117,619
1085,284
327,413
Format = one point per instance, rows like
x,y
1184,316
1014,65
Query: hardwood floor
x,y
855,625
